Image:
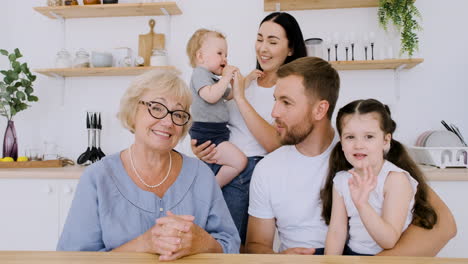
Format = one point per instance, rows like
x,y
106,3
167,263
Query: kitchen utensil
x,y
149,42
99,128
314,47
454,129
458,133
84,157
94,156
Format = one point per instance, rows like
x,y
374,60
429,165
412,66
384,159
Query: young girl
x,y
207,51
373,182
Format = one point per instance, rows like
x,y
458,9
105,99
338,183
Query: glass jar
x,y
81,59
54,2
63,59
159,58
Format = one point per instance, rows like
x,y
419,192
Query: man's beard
x,y
297,133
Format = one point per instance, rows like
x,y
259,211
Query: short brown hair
x,y
319,79
196,41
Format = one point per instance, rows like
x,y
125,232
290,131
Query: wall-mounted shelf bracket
x,y
397,80
57,16
164,11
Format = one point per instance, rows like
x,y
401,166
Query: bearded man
x,y
285,186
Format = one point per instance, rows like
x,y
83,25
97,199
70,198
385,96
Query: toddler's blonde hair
x,y
196,42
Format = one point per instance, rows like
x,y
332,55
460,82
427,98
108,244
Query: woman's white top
x,y
360,241
261,99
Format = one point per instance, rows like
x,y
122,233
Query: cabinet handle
x,y
68,190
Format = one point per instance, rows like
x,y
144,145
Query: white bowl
x,y
101,59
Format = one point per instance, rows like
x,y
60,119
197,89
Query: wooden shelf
x,y
67,172
270,5
102,71
376,64
110,10
448,174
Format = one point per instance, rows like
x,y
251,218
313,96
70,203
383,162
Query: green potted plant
x,y
15,91
403,14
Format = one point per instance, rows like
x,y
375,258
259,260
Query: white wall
x,y
433,90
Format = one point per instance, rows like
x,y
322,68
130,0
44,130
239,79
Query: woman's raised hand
x,y
253,75
361,186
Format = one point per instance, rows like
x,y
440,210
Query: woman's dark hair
x,y
424,214
293,33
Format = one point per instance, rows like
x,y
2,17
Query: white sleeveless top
x,y
360,241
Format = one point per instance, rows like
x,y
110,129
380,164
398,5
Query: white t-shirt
x,y
359,239
262,101
286,186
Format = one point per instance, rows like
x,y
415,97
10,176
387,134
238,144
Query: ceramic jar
x,y
159,58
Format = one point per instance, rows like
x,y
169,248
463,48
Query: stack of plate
x,y
440,148
438,138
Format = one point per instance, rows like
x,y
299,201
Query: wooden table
x,y
44,257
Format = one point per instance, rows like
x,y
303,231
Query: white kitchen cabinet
x,y
33,212
455,195
66,193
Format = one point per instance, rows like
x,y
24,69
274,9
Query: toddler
x,y
207,51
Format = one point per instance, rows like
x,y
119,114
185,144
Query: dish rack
x,y
441,157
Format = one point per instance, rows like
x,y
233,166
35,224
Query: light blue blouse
x,y
109,209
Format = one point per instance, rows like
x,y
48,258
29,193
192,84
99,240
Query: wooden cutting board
x,y
33,164
150,41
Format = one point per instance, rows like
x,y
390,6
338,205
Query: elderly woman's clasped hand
x,y
173,236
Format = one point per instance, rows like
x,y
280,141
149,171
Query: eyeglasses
x,y
159,111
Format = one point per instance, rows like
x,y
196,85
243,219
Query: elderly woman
x,y
150,198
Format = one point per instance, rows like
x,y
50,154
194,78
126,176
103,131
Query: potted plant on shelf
x,y
15,91
403,14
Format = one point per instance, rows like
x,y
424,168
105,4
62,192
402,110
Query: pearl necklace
x,y
139,177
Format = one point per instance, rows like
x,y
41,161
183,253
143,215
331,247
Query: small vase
x,y
10,144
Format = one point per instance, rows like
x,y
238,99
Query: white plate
x,y
443,138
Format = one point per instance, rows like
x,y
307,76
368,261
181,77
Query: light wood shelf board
x,y
376,64
103,71
67,172
448,174
110,10
270,5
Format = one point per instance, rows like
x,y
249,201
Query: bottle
x,y
159,58
81,59
63,59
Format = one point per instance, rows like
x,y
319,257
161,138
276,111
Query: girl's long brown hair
x,y
424,214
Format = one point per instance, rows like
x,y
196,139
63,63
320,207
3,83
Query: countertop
x,y
44,257
74,172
